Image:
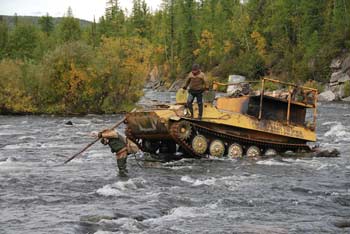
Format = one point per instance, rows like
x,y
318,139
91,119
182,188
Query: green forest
x,y
67,68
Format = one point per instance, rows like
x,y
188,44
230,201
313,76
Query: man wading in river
x,y
197,85
119,145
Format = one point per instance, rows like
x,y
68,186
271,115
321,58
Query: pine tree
x,y
114,21
46,24
69,28
140,18
93,34
23,41
69,12
188,39
170,31
15,20
3,38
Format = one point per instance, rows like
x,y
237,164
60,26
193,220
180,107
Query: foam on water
x,y
78,160
36,145
125,224
103,232
11,132
233,183
181,167
316,163
212,206
327,145
272,162
27,138
180,164
79,133
330,123
338,131
98,154
21,146
6,126
8,161
109,191
185,212
11,159
188,179
177,213
120,187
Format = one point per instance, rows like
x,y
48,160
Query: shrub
x,y
13,95
315,85
66,81
271,86
347,89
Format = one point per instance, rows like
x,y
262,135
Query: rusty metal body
x,y
260,120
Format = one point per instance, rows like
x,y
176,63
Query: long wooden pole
x,y
92,143
261,99
289,100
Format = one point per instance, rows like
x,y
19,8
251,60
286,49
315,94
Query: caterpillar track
x,y
230,138
210,135
174,130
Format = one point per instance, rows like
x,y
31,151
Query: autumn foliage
x,y
75,78
51,67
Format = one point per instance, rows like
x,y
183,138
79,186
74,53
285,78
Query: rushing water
x,y
39,195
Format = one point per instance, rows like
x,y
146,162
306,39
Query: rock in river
x,y
326,96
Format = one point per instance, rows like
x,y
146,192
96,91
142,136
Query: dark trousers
x,y
199,96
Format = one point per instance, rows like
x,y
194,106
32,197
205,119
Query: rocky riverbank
x,y
338,87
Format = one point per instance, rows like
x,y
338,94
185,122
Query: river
x,y
40,195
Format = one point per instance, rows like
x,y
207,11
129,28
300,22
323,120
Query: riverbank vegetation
x,y
50,67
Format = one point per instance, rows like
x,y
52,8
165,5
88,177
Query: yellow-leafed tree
x,y
13,95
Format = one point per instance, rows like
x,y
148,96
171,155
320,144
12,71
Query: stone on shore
x,y
347,99
340,77
326,96
336,64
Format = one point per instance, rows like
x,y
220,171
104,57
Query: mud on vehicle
x,y
248,123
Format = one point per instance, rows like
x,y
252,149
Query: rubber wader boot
x,y
190,108
200,110
123,172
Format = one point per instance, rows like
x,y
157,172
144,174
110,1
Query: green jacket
x,y
116,144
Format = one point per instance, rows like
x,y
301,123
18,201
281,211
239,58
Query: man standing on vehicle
x,y
196,82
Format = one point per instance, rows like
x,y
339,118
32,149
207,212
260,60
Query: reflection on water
x,y
290,195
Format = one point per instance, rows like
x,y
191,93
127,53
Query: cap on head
x,y
195,67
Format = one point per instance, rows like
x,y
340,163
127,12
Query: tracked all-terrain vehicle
x,y
258,123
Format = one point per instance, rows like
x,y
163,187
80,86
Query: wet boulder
x,y
346,99
326,96
69,123
345,66
314,153
327,153
342,223
339,76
